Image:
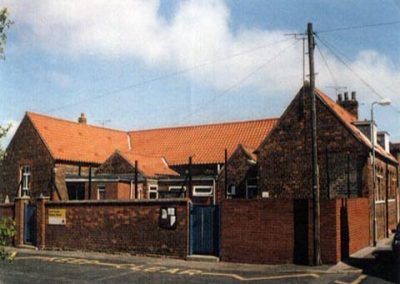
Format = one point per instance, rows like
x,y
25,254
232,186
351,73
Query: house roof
x,y
348,119
205,143
149,166
73,141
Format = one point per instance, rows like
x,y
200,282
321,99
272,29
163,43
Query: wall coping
x,y
7,204
117,202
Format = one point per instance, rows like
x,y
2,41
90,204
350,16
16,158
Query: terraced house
x,y
255,176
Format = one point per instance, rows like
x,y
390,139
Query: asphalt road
x,y
54,269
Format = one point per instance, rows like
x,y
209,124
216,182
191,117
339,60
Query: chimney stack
x,y
82,119
349,104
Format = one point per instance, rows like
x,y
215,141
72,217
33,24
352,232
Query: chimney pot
x,y
346,96
82,119
353,96
340,97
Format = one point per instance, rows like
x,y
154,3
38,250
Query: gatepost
x,y
41,221
19,219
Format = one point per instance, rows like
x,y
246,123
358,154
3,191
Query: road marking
x,y
357,281
162,269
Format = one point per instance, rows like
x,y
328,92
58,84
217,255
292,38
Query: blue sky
x,y
144,64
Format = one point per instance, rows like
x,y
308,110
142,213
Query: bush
x,y
7,232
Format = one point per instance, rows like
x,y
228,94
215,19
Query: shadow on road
x,y
384,265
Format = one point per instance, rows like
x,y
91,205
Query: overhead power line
x,y
238,83
330,48
164,76
358,27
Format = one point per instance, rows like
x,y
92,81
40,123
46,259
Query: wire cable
x,y
359,27
341,60
335,83
164,76
238,83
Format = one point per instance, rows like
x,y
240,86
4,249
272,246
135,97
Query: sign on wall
x,y
57,216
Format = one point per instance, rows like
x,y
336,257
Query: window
x,y
25,180
202,190
176,191
76,190
101,192
231,190
153,192
251,188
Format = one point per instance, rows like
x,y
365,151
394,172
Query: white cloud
x,y
199,31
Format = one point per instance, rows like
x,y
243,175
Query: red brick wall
x,y
257,231
7,210
118,226
392,215
357,228
25,148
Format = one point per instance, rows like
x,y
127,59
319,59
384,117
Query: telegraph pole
x,y
315,172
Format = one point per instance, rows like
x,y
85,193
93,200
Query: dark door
x,y
300,209
204,230
29,224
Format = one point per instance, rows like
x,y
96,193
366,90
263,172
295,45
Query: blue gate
x,y
204,230
29,224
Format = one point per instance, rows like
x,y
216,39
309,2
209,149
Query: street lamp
x,y
382,102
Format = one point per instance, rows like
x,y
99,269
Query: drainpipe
x,y
90,182
214,199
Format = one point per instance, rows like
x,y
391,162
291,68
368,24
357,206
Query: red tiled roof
x,y
73,141
348,119
149,166
206,143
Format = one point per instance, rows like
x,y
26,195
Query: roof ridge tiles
x,y
204,125
29,113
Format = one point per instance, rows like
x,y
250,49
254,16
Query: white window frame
x,y
101,187
153,188
231,191
203,194
26,177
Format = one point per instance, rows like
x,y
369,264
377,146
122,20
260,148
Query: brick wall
x,y
238,170
127,226
285,156
353,229
25,148
7,210
257,231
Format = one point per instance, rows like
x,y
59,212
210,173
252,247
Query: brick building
x,y
262,193
283,170
74,160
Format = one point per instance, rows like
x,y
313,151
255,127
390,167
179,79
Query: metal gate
x,y
204,230
29,223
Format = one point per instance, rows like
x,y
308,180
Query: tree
x,y
7,226
5,24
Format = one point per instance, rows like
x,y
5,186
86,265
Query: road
x,y
55,269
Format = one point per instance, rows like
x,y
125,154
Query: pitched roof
x,y
348,119
206,143
73,141
149,166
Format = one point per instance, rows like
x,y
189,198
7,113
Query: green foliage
x,y
3,133
7,232
5,23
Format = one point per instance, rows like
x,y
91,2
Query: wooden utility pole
x,y
136,179
315,173
189,192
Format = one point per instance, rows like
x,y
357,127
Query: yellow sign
x,y
57,216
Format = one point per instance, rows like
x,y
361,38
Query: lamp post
x,y
383,102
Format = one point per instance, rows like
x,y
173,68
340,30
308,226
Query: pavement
x,y
371,265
